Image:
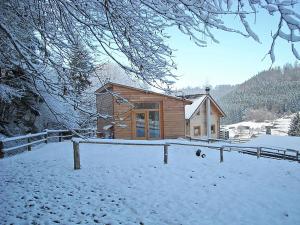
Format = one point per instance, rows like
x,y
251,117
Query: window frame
x,y
199,129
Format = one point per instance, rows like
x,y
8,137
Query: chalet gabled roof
x,y
110,84
190,110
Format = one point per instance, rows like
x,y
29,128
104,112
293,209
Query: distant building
x,y
203,116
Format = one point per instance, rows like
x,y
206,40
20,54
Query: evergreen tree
x,y
294,129
81,67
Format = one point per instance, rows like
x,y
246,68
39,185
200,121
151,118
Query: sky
x,y
233,60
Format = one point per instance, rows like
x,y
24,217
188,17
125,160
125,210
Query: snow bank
x,y
276,142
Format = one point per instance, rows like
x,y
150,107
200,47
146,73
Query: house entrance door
x,y
146,124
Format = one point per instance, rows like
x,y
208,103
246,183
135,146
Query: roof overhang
x,y
111,84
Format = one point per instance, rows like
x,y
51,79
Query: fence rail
x,y
14,145
259,151
76,142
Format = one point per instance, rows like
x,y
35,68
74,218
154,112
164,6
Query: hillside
x,y
267,95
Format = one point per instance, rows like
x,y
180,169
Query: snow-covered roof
x,y
190,109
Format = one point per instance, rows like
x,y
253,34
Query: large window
x,y
154,126
147,120
140,124
197,131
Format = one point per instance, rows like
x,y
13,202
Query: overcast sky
x,y
234,60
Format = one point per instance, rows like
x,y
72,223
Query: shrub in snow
x,y
294,129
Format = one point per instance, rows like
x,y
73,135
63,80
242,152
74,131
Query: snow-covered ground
x,y
248,129
131,185
273,141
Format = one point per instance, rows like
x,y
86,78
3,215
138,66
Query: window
x,y
146,105
140,124
197,131
213,129
154,125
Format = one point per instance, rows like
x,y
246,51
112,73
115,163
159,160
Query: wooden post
x,y
59,138
1,150
284,154
221,154
165,154
46,138
297,154
258,152
76,156
29,146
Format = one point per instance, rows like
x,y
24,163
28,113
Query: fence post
x,y
59,136
284,152
76,155
221,154
29,146
297,154
166,154
1,150
46,137
258,152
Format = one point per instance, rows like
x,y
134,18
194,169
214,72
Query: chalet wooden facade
x,y
203,116
133,113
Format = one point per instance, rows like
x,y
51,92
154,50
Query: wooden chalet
x,y
132,113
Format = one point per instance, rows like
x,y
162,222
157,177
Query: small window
x,y
213,129
197,131
121,101
146,105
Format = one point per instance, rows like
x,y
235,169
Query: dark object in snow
x,y
198,153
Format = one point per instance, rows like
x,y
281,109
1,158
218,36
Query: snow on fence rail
x,y
259,151
32,139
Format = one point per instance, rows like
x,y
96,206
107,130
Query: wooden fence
x,y
76,151
14,145
267,152
208,140
259,151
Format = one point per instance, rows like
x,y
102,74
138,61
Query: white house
x,y
203,116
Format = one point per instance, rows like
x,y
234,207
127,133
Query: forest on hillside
x,y
267,95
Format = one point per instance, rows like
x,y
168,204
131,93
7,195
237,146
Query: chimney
x,y
207,89
208,110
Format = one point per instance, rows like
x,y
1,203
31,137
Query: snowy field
x,y
131,185
279,126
